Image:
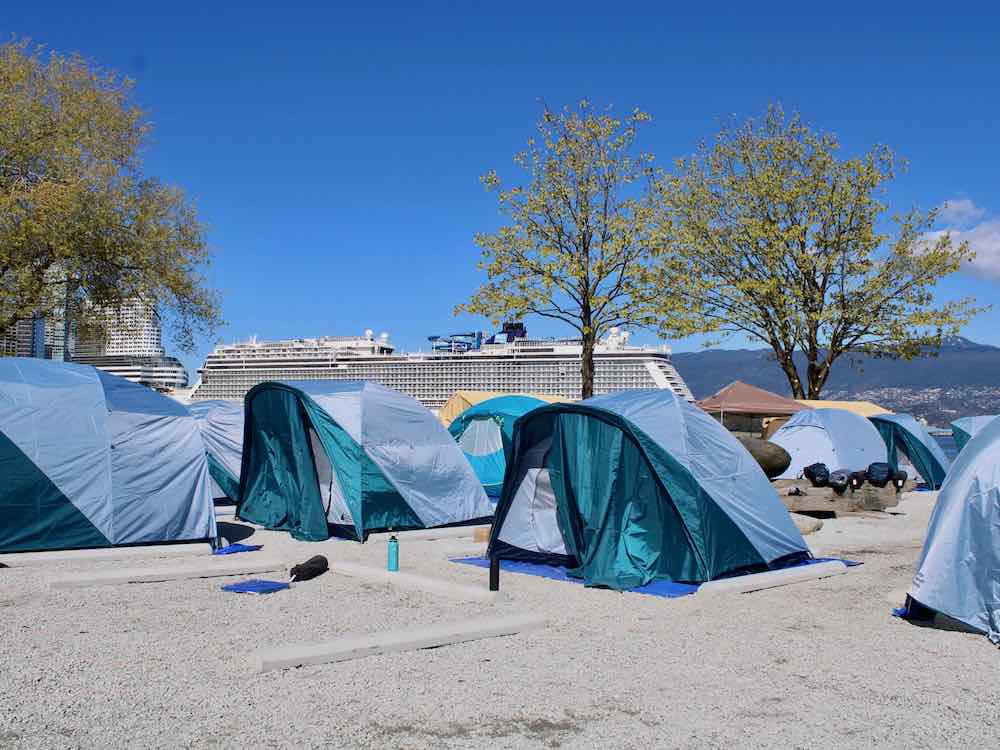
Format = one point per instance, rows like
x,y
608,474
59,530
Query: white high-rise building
x,y
130,330
130,345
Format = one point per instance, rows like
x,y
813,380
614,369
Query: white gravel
x,y
821,664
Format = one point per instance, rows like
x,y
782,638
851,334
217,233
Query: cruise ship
x,y
508,361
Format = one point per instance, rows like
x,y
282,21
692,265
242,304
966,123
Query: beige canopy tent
x,y
864,408
741,398
746,408
462,400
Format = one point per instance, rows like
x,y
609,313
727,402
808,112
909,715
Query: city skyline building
x,y
129,345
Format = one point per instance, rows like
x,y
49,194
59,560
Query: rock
x,y
773,459
806,524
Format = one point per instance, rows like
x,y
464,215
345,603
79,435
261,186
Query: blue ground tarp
x,y
666,589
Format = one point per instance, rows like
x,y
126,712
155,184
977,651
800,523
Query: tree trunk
x,y
587,365
787,364
817,379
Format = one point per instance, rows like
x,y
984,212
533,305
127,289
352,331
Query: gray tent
x,y
88,459
958,573
221,425
836,437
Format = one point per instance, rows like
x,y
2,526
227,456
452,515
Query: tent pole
x,y
494,574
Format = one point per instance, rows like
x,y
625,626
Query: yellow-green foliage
x,y
575,245
78,219
766,232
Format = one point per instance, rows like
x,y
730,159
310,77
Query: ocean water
x,y
947,443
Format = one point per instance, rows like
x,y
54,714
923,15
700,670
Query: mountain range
x,y
963,379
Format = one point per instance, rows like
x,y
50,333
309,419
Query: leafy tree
x,y
576,244
768,234
79,221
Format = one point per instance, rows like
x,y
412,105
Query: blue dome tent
x,y
89,459
958,569
904,435
638,486
221,425
836,437
349,458
485,431
964,429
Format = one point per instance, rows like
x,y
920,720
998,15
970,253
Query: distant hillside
x,y
964,379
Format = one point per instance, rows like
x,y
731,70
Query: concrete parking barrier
x,y
759,581
360,646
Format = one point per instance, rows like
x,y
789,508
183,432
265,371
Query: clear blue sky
x,y
335,148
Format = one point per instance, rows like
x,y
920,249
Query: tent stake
x,y
494,574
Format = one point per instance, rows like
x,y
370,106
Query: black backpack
x,y
839,481
817,474
879,474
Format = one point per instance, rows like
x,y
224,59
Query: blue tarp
x,y
836,437
256,586
958,572
92,460
666,589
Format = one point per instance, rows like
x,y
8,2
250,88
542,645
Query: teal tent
x,y
88,459
964,429
637,486
348,458
904,435
485,432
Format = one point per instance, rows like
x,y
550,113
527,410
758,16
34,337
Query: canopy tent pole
x,y
494,573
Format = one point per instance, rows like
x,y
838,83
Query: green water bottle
x,y
393,554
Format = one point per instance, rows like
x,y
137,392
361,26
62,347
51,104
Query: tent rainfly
x,y
741,398
964,429
349,458
485,432
221,425
88,459
838,438
637,486
462,400
904,434
958,567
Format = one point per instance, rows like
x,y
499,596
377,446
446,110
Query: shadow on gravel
x,y
234,532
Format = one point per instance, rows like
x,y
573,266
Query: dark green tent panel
x,y
36,514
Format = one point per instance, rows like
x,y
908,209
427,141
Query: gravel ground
x,y
819,664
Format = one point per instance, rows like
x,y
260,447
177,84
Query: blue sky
x,y
335,149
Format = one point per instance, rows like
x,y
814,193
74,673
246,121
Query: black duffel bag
x,y
879,474
314,566
817,474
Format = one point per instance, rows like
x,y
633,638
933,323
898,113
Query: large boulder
x,y
773,459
